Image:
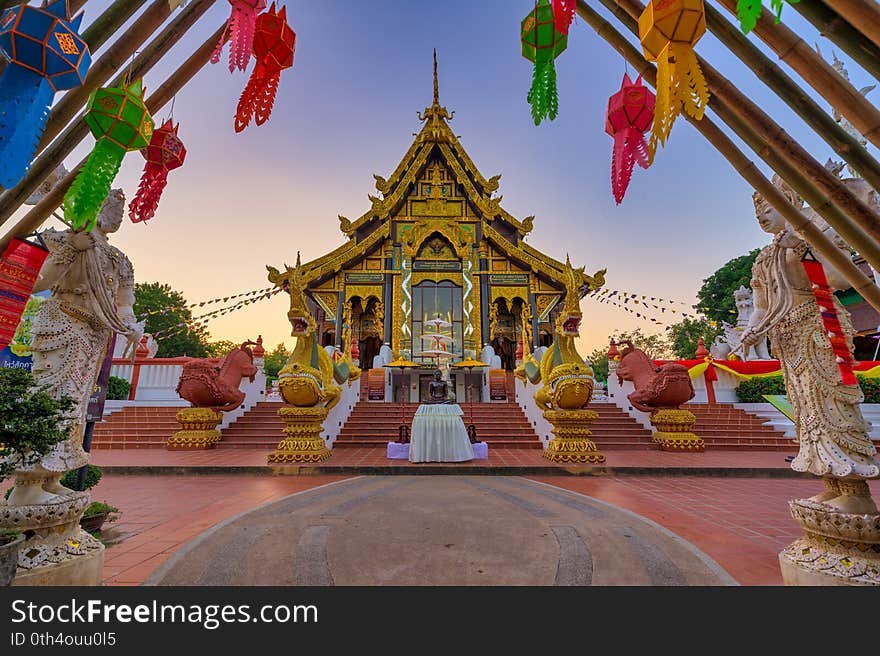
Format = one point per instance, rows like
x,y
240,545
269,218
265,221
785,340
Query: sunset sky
x,y
347,109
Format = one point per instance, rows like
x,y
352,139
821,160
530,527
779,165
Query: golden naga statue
x,y
568,379
307,378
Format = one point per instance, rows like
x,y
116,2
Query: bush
x,y
31,421
118,388
753,389
93,475
870,388
99,508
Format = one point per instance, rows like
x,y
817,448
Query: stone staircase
x,y
136,427
722,426
615,430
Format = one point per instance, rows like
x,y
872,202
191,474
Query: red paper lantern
x,y
166,152
630,114
563,14
19,269
274,45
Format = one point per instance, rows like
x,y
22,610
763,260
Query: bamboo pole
x,y
823,191
54,154
117,55
841,142
864,16
848,38
746,168
35,217
818,73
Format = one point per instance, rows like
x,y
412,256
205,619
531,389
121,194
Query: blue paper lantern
x,y
46,55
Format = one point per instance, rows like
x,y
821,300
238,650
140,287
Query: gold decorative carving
x,y
198,429
328,302
454,277
837,548
363,291
346,226
674,428
545,303
459,238
509,294
302,436
572,443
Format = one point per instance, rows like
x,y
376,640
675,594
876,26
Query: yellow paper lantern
x,y
668,31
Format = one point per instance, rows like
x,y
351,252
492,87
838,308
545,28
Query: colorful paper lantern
x,y
563,15
542,43
274,45
46,55
166,152
748,12
240,26
19,269
668,30
120,121
828,311
630,115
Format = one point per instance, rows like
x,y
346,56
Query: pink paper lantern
x,y
630,115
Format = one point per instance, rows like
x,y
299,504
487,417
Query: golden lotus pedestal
x,y
572,442
302,436
837,548
199,429
674,428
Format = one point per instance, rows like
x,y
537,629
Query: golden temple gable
x,y
436,243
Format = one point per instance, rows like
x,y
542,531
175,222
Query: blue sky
x,y
347,109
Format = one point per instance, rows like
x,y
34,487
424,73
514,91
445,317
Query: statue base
x,y
57,551
199,429
674,428
572,442
302,436
837,548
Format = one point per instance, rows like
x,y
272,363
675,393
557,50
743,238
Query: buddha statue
x,y
438,390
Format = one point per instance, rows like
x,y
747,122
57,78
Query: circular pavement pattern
x,y
439,530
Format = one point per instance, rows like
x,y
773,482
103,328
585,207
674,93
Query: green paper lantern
x,y
120,121
542,43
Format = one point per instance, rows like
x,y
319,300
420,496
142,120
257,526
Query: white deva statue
x,y
832,433
745,306
92,286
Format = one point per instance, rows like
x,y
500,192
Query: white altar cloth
x,y
397,451
438,434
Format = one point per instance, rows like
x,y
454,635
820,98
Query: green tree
x,y
716,294
274,360
683,337
167,309
220,348
656,346
598,360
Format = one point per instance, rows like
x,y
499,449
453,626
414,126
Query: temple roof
x,y
436,138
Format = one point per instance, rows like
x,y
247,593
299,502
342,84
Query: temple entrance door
x,y
432,300
506,331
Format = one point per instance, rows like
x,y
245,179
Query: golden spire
x,y
436,85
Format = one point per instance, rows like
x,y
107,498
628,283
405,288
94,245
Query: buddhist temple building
x,y
436,243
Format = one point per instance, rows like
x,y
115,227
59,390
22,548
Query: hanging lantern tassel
x,y
274,45
240,29
121,122
748,12
668,33
563,15
46,55
542,43
166,152
840,345
19,269
630,114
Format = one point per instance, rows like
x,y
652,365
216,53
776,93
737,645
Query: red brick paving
x,y
161,513
498,457
743,523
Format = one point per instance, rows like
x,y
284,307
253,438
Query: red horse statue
x,y
666,386
213,383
